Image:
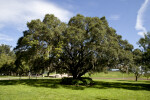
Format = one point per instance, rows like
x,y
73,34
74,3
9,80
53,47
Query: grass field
x,y
111,86
114,75
51,89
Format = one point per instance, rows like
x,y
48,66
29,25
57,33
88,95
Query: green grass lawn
x,y
114,75
51,89
101,75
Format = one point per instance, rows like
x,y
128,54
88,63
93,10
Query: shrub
x,y
81,81
147,75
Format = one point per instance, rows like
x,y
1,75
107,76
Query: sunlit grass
x,y
111,74
51,89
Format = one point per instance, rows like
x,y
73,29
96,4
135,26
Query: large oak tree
x,y
84,44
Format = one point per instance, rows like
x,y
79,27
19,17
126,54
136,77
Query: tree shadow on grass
x,y
105,99
129,86
147,81
55,83
48,83
133,81
52,83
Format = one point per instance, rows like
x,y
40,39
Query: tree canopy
x,y
137,63
7,58
144,43
84,44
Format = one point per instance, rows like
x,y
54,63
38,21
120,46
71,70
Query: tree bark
x,y
136,77
29,74
74,75
48,74
36,76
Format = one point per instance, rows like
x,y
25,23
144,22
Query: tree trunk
x,y
26,73
123,76
20,77
127,71
29,74
48,74
74,75
36,76
136,77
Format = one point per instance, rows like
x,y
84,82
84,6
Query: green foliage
x,y
87,81
137,63
8,69
7,59
40,44
147,75
6,55
145,44
146,58
90,44
84,44
137,56
105,70
81,81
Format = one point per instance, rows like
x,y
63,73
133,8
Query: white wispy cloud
x,y
18,12
114,17
139,22
5,37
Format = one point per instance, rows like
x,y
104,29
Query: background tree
x,y
137,63
21,66
146,73
7,58
144,43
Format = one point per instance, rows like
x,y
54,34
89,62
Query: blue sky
x,y
130,18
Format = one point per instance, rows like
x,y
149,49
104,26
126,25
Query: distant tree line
x,y
83,45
